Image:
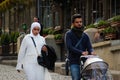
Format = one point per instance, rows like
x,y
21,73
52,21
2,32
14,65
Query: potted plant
x,y
45,32
0,47
13,42
110,33
102,24
51,31
14,36
58,38
115,21
90,26
5,41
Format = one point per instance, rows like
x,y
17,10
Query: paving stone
x,y
10,73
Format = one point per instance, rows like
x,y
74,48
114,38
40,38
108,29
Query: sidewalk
x,y
9,73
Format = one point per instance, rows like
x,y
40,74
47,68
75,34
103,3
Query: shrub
x,y
51,31
116,18
109,30
91,26
45,31
102,23
14,36
58,36
5,39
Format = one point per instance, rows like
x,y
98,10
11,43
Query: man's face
x,y
35,19
77,23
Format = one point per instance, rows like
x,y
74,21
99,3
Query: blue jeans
x,y
75,71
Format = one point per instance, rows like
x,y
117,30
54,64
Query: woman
x,y
27,57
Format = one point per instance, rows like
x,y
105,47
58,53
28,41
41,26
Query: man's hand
x,y
85,53
93,53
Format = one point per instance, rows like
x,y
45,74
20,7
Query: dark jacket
x,y
74,53
49,57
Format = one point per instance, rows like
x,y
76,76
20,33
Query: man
x,y
84,47
35,19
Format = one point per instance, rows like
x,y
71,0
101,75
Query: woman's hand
x,y
18,71
44,48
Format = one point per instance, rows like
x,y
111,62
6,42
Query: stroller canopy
x,y
95,69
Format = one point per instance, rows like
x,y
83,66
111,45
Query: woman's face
x,y
36,30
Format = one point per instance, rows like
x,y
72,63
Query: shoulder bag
x,y
40,58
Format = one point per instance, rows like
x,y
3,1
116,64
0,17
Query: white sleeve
x,y
44,41
21,54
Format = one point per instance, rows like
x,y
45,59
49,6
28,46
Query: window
x,y
44,13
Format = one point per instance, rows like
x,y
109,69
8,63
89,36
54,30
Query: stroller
x,y
94,68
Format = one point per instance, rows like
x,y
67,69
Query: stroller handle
x,y
90,56
84,58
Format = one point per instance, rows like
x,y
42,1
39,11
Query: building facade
x,y
58,12
53,13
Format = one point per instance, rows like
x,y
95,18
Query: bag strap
x,y
33,41
78,43
35,46
80,40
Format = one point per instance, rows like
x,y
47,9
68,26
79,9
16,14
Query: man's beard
x,y
78,31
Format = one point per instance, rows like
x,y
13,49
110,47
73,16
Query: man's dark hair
x,y
75,16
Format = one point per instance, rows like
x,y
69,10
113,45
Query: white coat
x,y
28,58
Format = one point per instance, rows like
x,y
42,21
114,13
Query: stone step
x,y
60,68
9,62
8,57
115,74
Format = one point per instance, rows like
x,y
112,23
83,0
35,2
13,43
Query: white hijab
x,y
33,25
